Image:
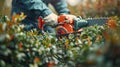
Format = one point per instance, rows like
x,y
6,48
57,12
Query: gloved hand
x,y
51,19
69,16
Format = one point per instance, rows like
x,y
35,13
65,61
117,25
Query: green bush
x,y
30,49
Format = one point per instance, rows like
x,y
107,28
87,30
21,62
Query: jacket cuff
x,y
62,13
46,13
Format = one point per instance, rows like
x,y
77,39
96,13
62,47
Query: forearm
x,y
40,8
35,7
61,6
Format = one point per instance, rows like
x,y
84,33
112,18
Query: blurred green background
x,y
93,8
5,7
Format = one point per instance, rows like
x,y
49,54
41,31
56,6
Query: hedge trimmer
x,y
66,26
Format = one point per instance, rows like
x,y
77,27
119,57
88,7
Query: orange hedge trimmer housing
x,y
66,25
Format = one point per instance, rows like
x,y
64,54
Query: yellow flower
x,y
67,43
112,24
36,60
18,17
23,16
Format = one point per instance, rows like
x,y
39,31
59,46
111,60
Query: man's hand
x,y
69,16
51,19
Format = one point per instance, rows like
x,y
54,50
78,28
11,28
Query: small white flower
x,y
18,29
47,49
7,36
54,47
4,26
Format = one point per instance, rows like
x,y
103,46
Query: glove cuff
x,y
45,13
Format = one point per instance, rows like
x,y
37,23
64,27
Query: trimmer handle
x,y
40,23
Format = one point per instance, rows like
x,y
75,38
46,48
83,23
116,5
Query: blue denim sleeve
x,y
38,7
60,6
